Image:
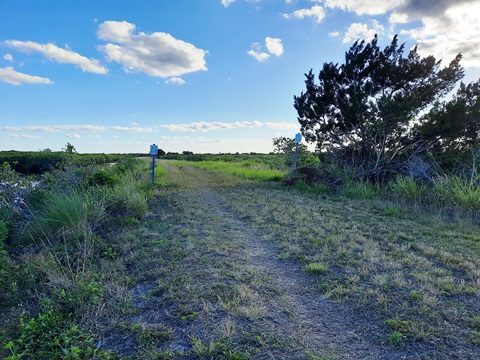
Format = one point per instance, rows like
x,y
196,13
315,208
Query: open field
x,y
228,267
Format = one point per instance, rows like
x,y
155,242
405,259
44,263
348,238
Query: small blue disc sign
x,y
153,149
298,138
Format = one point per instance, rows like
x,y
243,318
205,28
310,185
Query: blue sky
x,y
195,75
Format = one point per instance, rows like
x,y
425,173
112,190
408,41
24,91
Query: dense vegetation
x,y
366,115
37,162
55,244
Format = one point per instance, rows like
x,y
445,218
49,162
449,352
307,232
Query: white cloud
x,y
157,54
54,53
133,123
41,128
364,7
207,126
282,125
274,46
22,136
358,31
131,129
175,81
8,57
10,76
259,55
454,32
74,136
316,12
227,3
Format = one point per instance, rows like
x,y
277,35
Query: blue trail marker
x,y
153,152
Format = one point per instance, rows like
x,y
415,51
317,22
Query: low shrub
x,y
50,335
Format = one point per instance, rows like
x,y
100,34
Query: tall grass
x,y
245,169
406,189
458,192
70,213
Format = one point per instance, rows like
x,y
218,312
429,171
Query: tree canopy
x,y
363,110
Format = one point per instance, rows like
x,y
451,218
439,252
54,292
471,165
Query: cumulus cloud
x,y
334,34
316,12
131,129
175,81
207,126
456,31
54,53
274,46
158,54
10,76
358,31
8,57
41,128
281,125
415,9
364,7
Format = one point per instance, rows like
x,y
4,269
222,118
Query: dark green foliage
x,y
50,335
103,178
454,126
361,110
42,161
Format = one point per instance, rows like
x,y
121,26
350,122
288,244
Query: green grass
x,y
245,169
214,263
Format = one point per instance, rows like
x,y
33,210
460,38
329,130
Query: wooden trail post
x,y
153,152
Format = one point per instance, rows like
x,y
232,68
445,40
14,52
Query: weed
x,y
316,268
396,338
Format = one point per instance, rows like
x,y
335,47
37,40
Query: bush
x,y
103,178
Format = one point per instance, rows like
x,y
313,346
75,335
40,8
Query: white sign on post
x,y
153,149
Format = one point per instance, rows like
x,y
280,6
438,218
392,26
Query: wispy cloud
x,y
74,136
175,81
10,76
316,12
22,136
53,128
282,125
8,57
131,129
364,7
54,53
158,54
227,3
208,126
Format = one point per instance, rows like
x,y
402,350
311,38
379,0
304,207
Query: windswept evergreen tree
x,y
363,110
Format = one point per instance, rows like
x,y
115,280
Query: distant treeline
x,y
188,156
37,162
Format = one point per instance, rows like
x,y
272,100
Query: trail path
x,y
257,293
